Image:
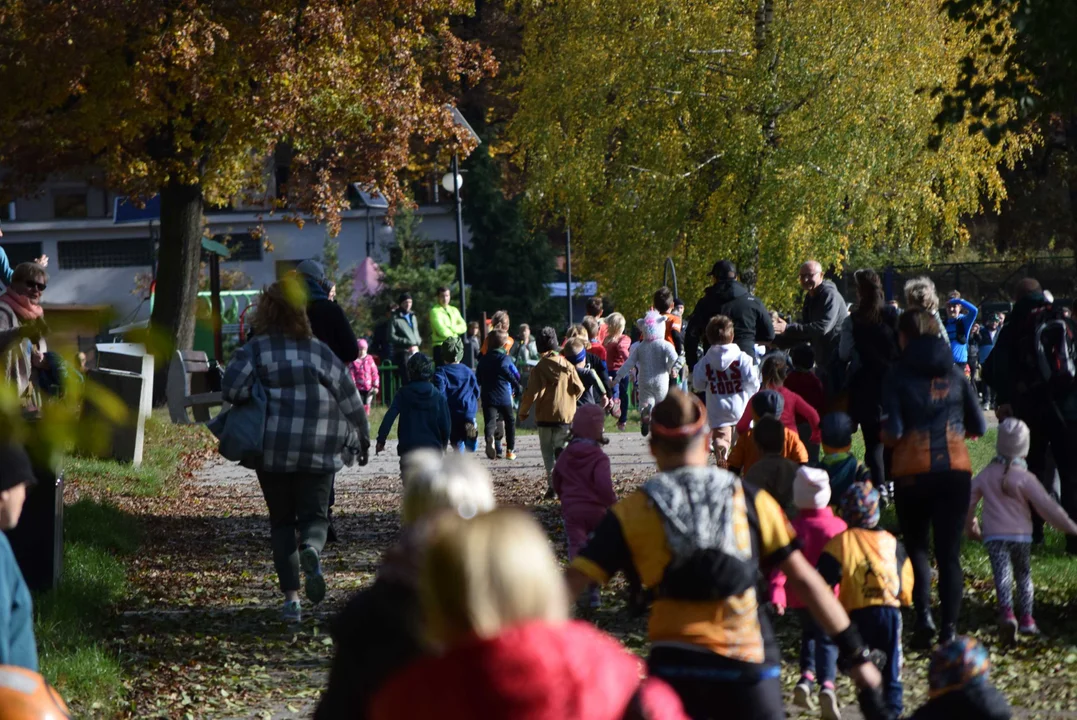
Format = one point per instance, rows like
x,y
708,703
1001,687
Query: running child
x,y
423,412
499,382
875,577
746,452
1010,492
795,409
773,471
959,686
460,387
653,359
729,377
365,375
582,480
618,346
838,460
804,382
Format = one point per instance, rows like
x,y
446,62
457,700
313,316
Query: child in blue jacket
x,y
499,381
423,411
461,389
17,644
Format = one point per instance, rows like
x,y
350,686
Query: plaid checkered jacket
x,y
315,421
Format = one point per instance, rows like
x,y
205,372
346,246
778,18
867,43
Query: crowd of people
x,y
759,506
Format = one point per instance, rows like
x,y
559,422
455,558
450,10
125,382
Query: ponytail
x,y
1007,463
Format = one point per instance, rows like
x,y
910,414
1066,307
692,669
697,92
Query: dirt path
x,y
203,639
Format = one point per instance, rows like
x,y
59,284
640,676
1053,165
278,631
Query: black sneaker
x,y
330,533
550,494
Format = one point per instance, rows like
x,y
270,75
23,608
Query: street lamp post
x,y
452,182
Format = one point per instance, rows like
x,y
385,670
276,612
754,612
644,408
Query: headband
x,y
696,427
578,357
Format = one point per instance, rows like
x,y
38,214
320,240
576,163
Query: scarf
x,y
698,510
316,288
24,309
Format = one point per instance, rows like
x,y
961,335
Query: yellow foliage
x,y
704,130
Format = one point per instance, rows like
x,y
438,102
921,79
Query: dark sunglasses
x,y
31,285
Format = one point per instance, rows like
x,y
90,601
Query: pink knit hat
x,y
589,422
362,344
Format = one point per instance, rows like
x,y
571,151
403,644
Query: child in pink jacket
x,y
1008,490
364,373
815,525
581,479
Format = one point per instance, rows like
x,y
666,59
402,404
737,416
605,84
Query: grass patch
x,y
72,623
166,449
69,620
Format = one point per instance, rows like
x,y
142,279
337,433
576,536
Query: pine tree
x,y
507,266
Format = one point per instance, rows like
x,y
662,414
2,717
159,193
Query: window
x,y
82,254
7,211
283,175
21,252
244,246
68,205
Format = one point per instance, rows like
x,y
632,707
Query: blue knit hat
x,y
768,402
957,664
859,506
837,430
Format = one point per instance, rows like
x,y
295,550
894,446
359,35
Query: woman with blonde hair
x,y
379,631
496,611
315,424
920,294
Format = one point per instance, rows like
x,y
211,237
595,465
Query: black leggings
x,y
489,416
710,698
877,457
934,501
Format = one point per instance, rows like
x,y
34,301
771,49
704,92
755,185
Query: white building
x,y
94,261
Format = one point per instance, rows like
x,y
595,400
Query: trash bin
x,y
38,539
126,370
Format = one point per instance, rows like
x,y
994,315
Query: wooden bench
x,y
188,387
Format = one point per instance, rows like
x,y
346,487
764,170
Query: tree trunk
x,y
176,291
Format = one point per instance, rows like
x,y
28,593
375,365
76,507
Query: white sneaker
x,y
828,704
802,695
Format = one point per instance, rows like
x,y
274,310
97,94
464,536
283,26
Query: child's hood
x,y
722,356
421,395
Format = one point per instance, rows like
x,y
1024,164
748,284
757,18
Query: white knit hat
x,y
811,488
1013,439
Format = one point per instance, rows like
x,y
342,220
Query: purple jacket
x,y
581,476
814,530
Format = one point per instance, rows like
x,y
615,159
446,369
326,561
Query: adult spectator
x,y
445,322
1049,409
594,309
821,317
869,343
380,630
22,327
920,293
958,326
727,296
929,409
327,320
404,339
496,606
315,424
986,340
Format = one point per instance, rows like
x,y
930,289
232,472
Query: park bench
x,y
189,387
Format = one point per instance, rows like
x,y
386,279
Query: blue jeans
x,y
458,435
621,391
818,654
880,627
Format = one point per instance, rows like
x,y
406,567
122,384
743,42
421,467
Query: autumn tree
x,y
188,99
760,131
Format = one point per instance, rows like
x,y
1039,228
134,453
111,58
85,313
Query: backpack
x,y
1049,350
241,428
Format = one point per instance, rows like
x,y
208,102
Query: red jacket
x,y
534,671
617,352
795,408
808,386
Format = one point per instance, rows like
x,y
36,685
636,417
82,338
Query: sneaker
x,y
311,563
490,448
550,494
510,455
292,612
1028,626
645,423
802,694
828,704
1007,628
621,426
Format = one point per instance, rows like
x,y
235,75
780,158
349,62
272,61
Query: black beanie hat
x,y
15,467
547,340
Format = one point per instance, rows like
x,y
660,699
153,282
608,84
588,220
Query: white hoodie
x,y
730,377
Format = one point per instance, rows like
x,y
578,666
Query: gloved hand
x,y
872,704
364,454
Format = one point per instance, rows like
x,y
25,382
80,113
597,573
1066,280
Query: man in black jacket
x,y
751,321
821,316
